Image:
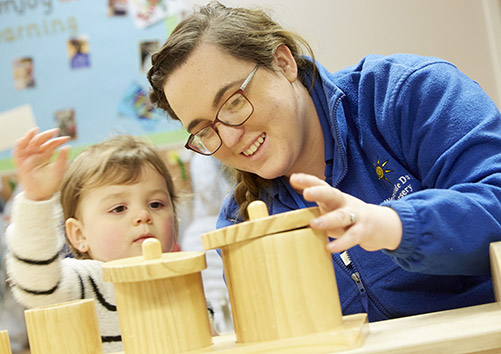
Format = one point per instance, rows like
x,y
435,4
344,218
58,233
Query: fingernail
x,y
331,247
316,222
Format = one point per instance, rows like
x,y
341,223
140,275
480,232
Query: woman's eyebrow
x,y
215,102
194,123
222,91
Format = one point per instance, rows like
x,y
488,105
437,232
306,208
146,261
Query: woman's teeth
x,y
252,149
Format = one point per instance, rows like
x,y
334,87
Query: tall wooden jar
x,y
160,301
280,277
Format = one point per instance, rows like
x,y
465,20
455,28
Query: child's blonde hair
x,y
119,160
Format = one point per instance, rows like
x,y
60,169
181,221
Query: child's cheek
x,y
169,234
112,242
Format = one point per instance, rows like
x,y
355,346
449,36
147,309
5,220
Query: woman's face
x,y
272,142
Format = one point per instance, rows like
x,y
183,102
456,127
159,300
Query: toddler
x,y
113,196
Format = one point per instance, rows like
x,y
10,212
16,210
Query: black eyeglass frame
x,y
240,91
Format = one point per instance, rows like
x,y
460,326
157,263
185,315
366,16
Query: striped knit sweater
x,y
40,275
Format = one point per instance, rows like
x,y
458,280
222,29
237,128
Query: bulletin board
x,y
80,66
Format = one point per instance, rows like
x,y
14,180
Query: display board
x,y
80,66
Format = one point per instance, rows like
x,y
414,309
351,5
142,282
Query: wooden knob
x,y
152,249
257,210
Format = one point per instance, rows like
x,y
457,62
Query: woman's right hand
x,y
347,219
39,174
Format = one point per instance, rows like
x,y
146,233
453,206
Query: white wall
x,y
341,32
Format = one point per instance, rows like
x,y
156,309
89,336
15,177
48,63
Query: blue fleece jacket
x,y
417,135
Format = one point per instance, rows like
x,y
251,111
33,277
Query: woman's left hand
x,y
347,219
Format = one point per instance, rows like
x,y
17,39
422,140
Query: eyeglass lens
x,y
233,112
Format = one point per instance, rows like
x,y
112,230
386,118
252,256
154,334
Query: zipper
x,y
344,260
361,289
349,267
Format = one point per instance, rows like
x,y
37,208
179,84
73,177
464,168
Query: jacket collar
x,y
329,103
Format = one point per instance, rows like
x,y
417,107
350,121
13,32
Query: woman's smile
x,y
255,145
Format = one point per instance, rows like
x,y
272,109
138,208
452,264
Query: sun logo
x,y
380,171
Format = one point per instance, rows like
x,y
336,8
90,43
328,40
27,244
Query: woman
x,y
401,153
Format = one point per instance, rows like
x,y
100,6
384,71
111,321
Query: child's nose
x,y
143,216
229,135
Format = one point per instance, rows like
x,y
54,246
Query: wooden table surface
x,y
475,329
472,329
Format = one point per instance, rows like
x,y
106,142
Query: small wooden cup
x,y
281,283
68,327
5,343
160,300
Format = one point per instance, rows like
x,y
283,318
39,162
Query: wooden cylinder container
x,y
160,300
5,343
68,327
281,283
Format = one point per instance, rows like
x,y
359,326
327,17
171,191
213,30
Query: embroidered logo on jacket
x,y
381,171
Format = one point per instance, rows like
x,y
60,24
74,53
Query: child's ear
x,y
74,231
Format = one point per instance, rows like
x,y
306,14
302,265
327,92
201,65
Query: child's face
x,y
116,219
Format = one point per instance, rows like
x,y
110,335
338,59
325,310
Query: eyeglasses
x,y
235,111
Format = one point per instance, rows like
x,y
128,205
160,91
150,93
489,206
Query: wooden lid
x,y
260,224
153,264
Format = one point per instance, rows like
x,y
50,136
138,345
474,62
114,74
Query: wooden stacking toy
x,y
5,343
283,295
280,280
68,327
160,301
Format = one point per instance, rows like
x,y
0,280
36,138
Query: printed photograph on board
x,y
147,48
117,8
146,13
65,121
22,69
79,52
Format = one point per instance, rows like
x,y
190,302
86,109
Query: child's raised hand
x,y
40,175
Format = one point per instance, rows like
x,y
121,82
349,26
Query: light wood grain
x,y
163,316
279,275
351,334
257,210
151,249
69,327
5,343
256,228
465,330
160,301
495,256
281,286
475,329
140,269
